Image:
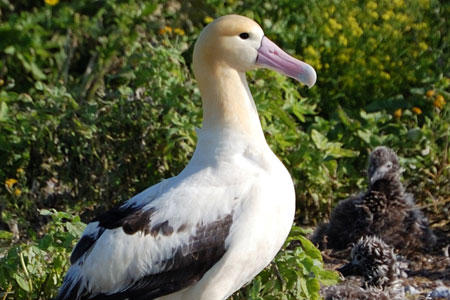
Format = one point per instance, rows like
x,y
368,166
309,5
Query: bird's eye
x,y
358,257
389,165
244,35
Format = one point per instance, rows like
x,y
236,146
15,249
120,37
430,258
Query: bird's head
x,y
372,258
239,42
383,165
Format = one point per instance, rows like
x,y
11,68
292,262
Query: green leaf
x,y
45,212
23,283
365,135
310,249
304,286
45,242
149,8
328,277
313,288
3,112
39,85
6,235
256,287
10,50
32,67
319,140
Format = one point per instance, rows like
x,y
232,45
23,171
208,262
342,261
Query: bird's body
x,y
350,292
376,262
384,210
206,232
176,218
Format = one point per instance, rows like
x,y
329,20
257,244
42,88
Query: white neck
x,y
227,101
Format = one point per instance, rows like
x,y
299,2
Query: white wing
x,y
160,241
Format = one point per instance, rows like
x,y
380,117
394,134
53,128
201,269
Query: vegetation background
x,y
98,102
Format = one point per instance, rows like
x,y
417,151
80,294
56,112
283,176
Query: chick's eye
x,y
244,35
389,165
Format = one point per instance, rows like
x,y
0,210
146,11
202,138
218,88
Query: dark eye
x,y
358,257
389,165
244,35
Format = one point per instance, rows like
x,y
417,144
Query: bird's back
x,y
349,220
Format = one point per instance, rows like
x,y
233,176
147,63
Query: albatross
x,y
384,209
373,259
206,232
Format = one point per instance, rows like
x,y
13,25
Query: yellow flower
x,y
372,42
178,31
342,40
398,113
417,110
401,18
313,57
439,102
17,192
334,24
311,52
385,75
328,31
332,9
208,19
51,2
20,171
10,182
423,46
354,26
425,4
399,3
165,29
387,15
429,93
372,5
2,82
419,26
343,57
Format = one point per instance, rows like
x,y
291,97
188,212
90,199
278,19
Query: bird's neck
x,y
227,101
389,186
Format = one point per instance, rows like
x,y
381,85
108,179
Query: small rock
x,y
440,292
409,289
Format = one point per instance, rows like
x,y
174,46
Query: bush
x,y
32,270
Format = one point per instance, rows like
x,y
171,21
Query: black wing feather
x,y
187,265
131,218
84,244
205,248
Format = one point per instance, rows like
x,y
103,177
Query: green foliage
x,y
31,270
97,102
118,107
296,273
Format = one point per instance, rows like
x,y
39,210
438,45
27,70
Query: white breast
x,y
264,208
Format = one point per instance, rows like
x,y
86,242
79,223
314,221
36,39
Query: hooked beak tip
x,y
309,77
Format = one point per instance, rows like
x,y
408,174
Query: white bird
x,y
204,233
